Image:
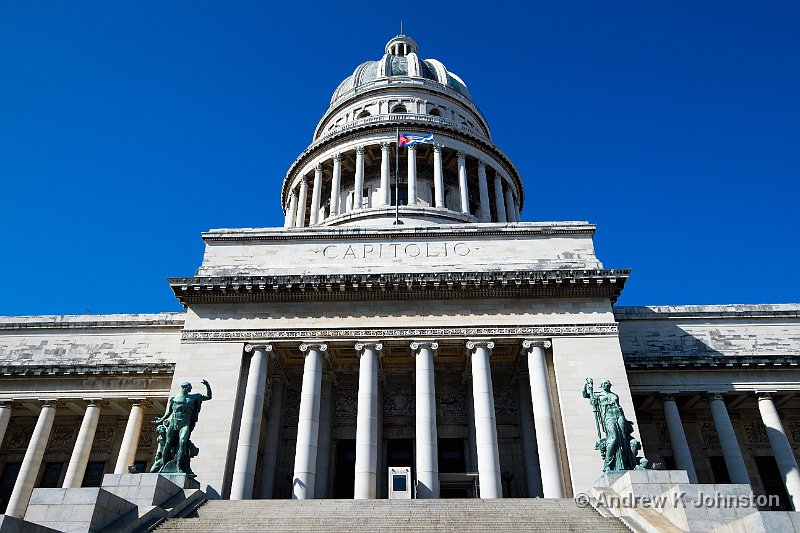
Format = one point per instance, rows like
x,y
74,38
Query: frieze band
x,y
543,331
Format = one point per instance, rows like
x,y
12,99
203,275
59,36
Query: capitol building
x,y
405,318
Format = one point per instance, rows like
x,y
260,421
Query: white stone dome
x,y
400,60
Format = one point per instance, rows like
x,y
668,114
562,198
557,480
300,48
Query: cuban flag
x,y
405,139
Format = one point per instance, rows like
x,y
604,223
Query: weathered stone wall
x,y
709,330
90,340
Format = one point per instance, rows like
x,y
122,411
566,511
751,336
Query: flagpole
x,y
397,180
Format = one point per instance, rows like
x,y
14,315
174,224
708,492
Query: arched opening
x,y
399,109
435,112
363,114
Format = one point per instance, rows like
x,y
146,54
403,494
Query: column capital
x,y
412,147
536,343
51,403
481,164
306,346
386,145
461,155
266,347
480,343
303,181
6,404
318,167
437,148
360,150
714,395
764,394
667,396
417,345
96,402
140,402
361,346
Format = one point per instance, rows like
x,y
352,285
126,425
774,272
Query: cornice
x,y
80,370
405,286
274,335
161,320
716,361
519,229
706,312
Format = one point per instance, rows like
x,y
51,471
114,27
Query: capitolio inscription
x,y
395,250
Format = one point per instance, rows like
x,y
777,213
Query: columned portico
x,y
483,189
462,182
367,421
426,434
23,488
336,185
300,220
386,191
291,212
781,448
438,177
677,436
316,194
500,203
544,419
510,213
485,422
305,460
252,412
727,440
83,445
358,197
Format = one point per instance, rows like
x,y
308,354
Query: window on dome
x,y
435,112
363,114
399,109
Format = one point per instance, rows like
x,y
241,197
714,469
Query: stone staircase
x,y
351,516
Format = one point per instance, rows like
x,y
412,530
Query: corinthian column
x,y
544,419
412,174
336,184
727,440
462,182
300,220
510,213
130,439
500,204
244,468
784,456
438,178
483,189
367,421
677,436
386,192
305,458
485,423
427,447
316,194
358,197
291,212
83,446
23,487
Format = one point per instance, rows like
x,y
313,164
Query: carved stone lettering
x,y
422,250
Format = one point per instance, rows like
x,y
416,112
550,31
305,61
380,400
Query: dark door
x,y
772,481
345,475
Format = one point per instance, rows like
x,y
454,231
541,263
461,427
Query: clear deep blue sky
x,y
127,128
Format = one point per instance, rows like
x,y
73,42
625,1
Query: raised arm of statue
x,y
208,390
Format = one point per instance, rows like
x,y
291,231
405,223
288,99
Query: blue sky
x,y
127,128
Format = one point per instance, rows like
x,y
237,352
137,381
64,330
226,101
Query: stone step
x,y
349,516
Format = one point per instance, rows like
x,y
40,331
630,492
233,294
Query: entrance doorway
x,y
453,479
345,469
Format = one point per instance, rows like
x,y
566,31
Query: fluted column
x,y
325,428
83,446
517,216
500,204
366,421
316,194
533,476
510,214
544,419
462,182
305,458
781,448
426,436
485,423
130,439
274,411
300,220
291,212
32,461
244,467
412,174
727,440
5,418
336,184
438,177
677,436
483,189
386,191
358,197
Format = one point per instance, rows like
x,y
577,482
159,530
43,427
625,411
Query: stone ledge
x,y
157,320
706,312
